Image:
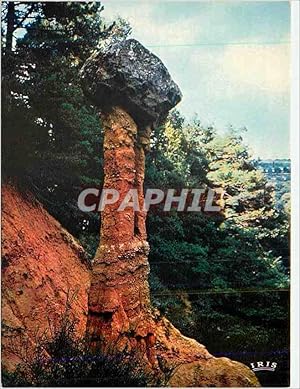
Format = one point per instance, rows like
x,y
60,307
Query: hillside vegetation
x,y
221,279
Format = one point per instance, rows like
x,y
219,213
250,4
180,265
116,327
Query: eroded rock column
x,y
119,302
135,92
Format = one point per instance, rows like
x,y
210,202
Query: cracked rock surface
x,y
126,74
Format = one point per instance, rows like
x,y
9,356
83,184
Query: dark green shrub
x,y
71,364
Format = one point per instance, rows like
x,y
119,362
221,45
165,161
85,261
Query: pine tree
x,y
52,135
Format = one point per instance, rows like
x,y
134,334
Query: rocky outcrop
x,y
44,277
43,274
119,299
126,74
120,317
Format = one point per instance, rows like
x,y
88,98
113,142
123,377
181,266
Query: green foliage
x,y
52,137
221,279
209,274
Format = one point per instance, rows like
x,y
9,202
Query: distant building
x,y
278,173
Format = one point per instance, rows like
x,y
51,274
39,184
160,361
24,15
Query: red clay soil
x,y
43,273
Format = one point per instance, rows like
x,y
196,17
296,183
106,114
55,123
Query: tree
x,y
14,16
223,274
52,134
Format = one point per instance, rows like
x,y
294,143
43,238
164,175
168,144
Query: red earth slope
x,y
43,272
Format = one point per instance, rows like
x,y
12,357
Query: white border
x,y
294,142
295,183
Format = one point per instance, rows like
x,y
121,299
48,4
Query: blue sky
x,y
230,59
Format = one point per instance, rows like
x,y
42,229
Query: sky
x,y
230,60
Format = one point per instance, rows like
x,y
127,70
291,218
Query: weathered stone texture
x,y
119,302
134,91
126,74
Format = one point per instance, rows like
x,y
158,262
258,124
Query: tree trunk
x,y
10,26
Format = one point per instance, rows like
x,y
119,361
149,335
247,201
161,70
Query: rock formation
x,y
126,74
44,277
135,92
